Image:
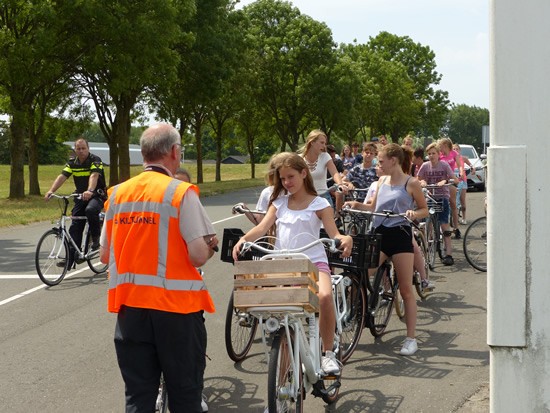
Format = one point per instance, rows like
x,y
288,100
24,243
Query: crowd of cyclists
x,y
383,176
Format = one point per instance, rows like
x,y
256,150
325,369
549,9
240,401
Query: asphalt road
x,y
57,353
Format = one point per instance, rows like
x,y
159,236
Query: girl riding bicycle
x,y
298,218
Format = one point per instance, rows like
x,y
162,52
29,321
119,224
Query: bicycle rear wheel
x,y
475,244
92,257
352,324
162,398
240,329
381,301
51,258
280,376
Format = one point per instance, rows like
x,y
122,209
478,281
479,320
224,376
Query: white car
x,y
476,174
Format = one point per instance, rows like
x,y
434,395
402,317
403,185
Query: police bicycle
x,y
53,249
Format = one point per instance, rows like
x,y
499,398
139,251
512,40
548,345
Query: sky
x,y
457,31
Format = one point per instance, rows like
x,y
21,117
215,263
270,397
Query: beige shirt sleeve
x,y
194,221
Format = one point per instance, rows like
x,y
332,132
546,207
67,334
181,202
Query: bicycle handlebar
x,y
385,214
241,208
435,186
340,189
66,197
332,244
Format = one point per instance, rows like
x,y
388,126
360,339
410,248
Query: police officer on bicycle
x,y
89,179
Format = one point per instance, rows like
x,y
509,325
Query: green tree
x,y
419,63
38,49
288,48
130,50
204,66
228,60
464,124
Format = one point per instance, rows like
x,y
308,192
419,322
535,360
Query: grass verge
x,y
36,209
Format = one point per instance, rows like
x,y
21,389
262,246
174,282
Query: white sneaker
x,y
463,221
428,285
329,364
409,347
204,406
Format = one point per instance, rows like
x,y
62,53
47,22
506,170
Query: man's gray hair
x,y
157,141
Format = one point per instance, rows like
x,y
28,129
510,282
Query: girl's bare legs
x,y
419,264
463,202
454,210
327,318
447,239
403,264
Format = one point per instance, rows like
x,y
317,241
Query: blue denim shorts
x,y
443,216
328,197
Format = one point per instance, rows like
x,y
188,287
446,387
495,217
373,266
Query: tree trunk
x,y
121,129
113,160
18,133
34,185
198,120
198,145
34,137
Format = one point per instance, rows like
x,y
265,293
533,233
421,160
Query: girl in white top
x,y
298,218
319,161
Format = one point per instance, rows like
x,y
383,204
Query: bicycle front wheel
x,y
281,378
422,293
352,323
381,301
240,329
475,244
51,258
431,249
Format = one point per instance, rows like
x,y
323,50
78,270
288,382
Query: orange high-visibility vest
x,y
149,264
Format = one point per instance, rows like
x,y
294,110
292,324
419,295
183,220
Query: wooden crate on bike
x,y
280,282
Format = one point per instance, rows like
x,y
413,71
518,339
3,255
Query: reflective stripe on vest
x,y
165,211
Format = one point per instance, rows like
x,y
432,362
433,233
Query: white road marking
x,y
32,290
226,219
69,275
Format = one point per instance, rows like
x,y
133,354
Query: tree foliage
x,y
464,124
288,50
253,80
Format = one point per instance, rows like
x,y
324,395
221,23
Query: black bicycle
x,y
384,286
52,252
432,226
475,244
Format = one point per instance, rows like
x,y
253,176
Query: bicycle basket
x,y
436,205
364,254
230,237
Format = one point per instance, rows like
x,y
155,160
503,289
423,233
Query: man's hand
x,y
87,195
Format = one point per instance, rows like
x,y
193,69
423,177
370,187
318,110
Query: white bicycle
x,y
294,367
53,248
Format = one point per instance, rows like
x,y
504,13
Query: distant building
x,y
102,150
235,159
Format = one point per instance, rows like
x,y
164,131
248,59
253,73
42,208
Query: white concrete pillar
x,y
519,207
